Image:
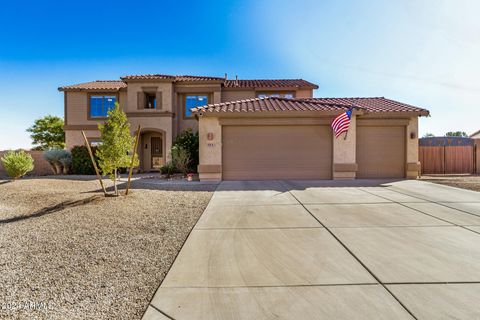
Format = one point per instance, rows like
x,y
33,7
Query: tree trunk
x,y
115,182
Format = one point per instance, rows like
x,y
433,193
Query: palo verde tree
x,y
117,142
47,133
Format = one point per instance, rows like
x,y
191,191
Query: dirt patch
x,y
68,253
470,182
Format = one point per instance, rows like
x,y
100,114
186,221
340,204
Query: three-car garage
x,y
275,138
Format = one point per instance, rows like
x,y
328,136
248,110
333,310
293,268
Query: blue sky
x,y
425,53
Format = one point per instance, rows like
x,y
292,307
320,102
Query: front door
x,y
157,152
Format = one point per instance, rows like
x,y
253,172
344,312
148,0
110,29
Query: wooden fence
x,y
42,167
449,157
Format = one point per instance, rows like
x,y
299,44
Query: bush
x,y
59,159
168,169
188,140
17,163
81,163
181,159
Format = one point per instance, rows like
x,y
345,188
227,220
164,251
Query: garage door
x,y
381,152
276,152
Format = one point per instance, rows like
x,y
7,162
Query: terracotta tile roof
x,y
254,84
310,104
170,77
271,104
272,83
375,104
96,85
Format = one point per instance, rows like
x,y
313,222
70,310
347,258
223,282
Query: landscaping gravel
x,y
470,182
67,252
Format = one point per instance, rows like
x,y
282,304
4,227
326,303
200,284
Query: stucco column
x,y
210,140
412,165
344,152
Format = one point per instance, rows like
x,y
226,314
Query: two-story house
x,y
161,105
253,129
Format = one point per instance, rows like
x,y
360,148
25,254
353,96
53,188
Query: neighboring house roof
x,y
475,135
311,104
270,83
96,85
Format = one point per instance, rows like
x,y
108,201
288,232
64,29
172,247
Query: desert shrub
x,y
168,169
17,163
81,163
181,159
66,163
59,159
188,140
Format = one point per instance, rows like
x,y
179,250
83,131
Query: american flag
x,y
341,123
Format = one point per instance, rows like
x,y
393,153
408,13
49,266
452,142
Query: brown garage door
x,y
276,152
381,152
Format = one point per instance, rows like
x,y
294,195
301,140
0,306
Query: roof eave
x,y
61,89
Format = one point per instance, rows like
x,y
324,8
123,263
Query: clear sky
x,y
425,53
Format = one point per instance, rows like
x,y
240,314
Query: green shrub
x,y
188,140
181,159
81,162
59,159
168,169
17,163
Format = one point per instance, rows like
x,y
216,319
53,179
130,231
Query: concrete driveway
x,y
328,250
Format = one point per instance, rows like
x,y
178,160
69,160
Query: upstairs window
x,y
288,95
193,101
100,105
150,101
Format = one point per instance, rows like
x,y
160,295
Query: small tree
x,y
428,135
456,134
47,133
117,142
17,163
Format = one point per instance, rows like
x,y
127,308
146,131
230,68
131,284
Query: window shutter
x,y
140,100
159,99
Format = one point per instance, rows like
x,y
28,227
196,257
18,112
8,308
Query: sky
x,y
421,52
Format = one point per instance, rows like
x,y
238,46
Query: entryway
x,y
152,151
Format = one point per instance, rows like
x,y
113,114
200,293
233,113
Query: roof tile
x,y
269,83
270,104
374,104
370,105
110,85
171,77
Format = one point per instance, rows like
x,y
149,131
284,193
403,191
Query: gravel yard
x,y
66,252
470,182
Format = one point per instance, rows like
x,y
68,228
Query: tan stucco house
x,y
253,129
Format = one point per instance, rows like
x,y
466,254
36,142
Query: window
x,y
150,101
99,105
192,101
288,95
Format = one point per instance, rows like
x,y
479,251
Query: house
x,y
161,105
254,129
475,135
